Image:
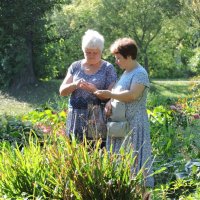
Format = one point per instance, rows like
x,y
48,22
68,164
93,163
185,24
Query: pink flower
x,y
61,132
173,107
196,116
44,128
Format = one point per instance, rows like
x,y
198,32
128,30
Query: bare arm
x,y
111,86
108,109
92,88
68,86
126,96
129,95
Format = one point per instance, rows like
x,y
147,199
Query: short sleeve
x,y
141,77
111,75
73,67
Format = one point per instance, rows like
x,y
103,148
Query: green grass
x,y
31,97
171,89
12,106
28,97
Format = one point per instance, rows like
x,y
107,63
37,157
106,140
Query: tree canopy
x,y
40,39
22,39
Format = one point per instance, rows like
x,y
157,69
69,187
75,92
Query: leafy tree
x,y
69,25
159,27
140,19
191,43
22,38
175,52
164,52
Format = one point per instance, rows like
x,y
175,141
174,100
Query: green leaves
x,y
23,37
65,169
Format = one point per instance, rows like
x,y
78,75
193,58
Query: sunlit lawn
x,y
12,106
172,89
32,97
28,98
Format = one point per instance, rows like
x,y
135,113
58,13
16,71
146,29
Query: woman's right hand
x,y
108,109
78,83
90,87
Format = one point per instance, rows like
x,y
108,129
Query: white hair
x,y
92,39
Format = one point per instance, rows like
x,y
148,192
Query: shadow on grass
x,y
36,94
176,89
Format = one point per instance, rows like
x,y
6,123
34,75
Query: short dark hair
x,y
126,47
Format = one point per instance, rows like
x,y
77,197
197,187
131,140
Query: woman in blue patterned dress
x,y
131,89
83,78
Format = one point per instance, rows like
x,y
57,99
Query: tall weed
x,y
64,169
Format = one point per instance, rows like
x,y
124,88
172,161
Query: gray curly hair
x,y
92,39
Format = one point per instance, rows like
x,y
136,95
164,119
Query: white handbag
x,y
118,129
118,111
118,126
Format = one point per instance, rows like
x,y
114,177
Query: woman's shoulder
x,y
108,68
141,69
141,76
107,64
76,65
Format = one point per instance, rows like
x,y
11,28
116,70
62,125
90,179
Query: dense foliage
x,y
23,36
39,41
44,164
67,170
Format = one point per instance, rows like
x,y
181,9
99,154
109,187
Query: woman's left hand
x,y
103,94
88,86
108,109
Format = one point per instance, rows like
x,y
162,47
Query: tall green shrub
x,y
64,169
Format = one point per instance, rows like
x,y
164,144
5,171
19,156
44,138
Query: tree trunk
x,y
146,62
26,75
145,59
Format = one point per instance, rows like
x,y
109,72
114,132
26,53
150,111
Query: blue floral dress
x,y
136,114
80,101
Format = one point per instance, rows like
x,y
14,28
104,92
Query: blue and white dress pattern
x,y
80,99
136,114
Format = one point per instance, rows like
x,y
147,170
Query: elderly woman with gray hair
x,y
84,77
